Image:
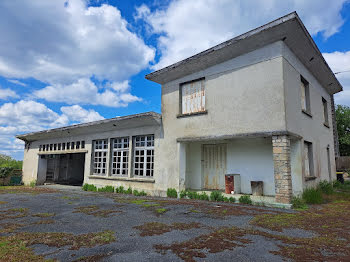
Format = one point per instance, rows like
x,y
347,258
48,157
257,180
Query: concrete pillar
x,y
282,169
182,165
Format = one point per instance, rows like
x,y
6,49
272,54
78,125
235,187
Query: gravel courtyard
x,y
38,224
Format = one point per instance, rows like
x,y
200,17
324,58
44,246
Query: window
x,y
68,145
100,156
51,146
120,156
325,111
308,160
82,144
54,147
305,95
72,145
40,147
192,97
59,146
78,144
144,155
44,147
63,146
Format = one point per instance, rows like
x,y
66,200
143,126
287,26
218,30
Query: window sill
x,y
326,125
130,179
309,178
308,113
192,114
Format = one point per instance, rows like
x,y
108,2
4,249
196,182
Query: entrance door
x,y
214,166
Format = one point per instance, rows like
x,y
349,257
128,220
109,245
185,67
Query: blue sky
x,y
65,62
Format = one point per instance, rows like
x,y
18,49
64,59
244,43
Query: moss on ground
x,y
95,211
157,228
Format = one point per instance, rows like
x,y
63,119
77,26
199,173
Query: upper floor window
x,y
305,95
192,97
325,111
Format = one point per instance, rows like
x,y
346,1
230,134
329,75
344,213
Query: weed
x,y
312,196
88,187
183,193
226,199
326,187
245,199
232,200
216,196
161,210
139,193
192,195
44,215
298,203
32,183
204,196
109,189
128,191
171,192
120,190
138,201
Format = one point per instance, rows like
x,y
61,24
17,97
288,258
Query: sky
x,y
64,62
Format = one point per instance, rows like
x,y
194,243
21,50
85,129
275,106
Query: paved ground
x,y
136,229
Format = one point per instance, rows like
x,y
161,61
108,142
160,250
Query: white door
x,y
214,166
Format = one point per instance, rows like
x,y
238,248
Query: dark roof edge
x,y
120,118
280,20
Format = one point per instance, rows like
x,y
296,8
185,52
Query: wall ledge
x,y
129,179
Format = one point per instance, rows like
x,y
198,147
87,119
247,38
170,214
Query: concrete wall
x,y
155,184
243,95
311,129
251,158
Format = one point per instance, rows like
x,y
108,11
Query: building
x,y
259,106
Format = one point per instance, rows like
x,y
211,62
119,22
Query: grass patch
x,y
157,228
44,215
161,210
109,189
299,203
312,196
94,210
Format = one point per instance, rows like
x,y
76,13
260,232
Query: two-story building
x,y
259,107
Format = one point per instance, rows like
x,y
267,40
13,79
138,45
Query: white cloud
x,y
340,61
84,91
7,93
17,82
29,116
188,27
65,44
79,114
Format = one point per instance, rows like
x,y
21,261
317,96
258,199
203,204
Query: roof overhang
x,y
289,29
112,124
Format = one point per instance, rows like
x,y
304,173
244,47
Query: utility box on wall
x,y
257,188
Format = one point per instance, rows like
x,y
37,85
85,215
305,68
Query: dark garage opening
x,y
67,169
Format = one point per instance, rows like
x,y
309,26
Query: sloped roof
x,y
289,29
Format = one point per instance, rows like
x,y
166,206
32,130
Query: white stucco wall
x,y
311,129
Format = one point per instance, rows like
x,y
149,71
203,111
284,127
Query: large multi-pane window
x,y
100,156
144,155
120,156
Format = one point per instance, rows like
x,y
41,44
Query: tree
x,y
342,114
7,161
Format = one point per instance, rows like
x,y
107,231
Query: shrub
x,y
5,171
139,193
183,193
326,187
128,191
216,196
232,200
245,200
109,189
92,188
171,192
203,196
312,196
298,203
192,195
226,199
85,187
120,190
32,183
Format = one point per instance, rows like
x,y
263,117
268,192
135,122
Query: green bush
x,y
85,187
203,196
232,200
109,189
88,187
192,195
128,191
226,200
171,192
326,187
183,193
245,200
120,190
139,193
298,203
5,171
216,196
312,196
7,161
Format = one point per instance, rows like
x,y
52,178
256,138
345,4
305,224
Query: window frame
x,y
310,167
181,86
124,153
304,83
325,112
142,171
103,157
